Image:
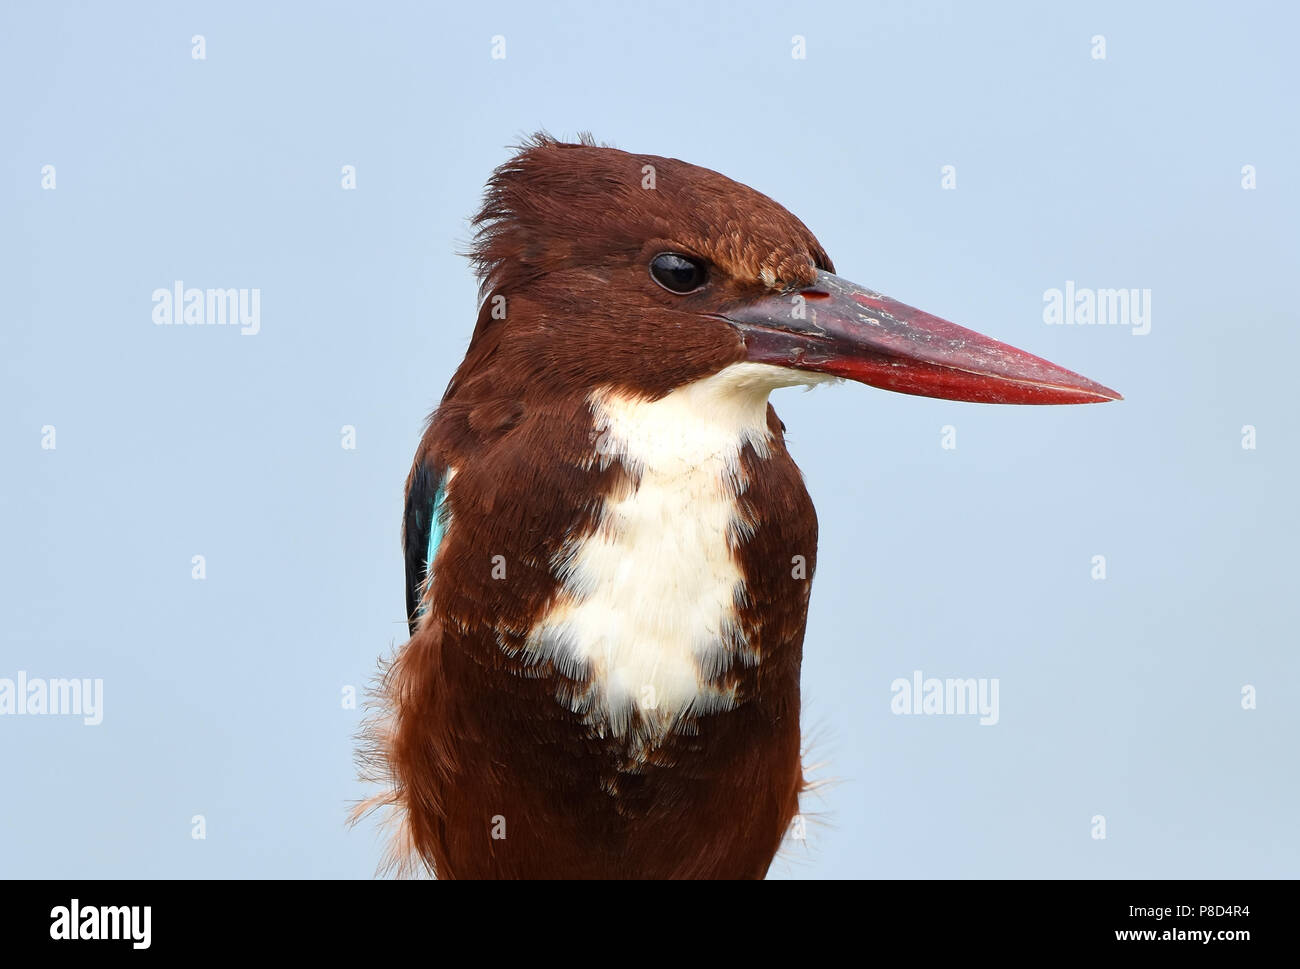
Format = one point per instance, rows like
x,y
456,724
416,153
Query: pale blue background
x,y
1119,697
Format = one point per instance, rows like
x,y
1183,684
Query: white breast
x,y
649,606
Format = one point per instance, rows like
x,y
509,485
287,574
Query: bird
x,y
608,547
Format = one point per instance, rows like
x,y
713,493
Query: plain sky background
x,y
1119,697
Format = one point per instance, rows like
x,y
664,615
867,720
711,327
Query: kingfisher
x,y
609,550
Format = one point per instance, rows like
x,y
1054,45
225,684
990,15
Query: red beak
x,y
838,328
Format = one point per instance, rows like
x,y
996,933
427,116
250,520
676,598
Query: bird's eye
x,y
677,273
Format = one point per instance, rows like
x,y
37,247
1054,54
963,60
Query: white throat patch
x,y
650,596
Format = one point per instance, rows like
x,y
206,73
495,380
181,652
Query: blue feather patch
x,y
437,528
437,523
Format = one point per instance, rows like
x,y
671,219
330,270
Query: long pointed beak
x,y
838,328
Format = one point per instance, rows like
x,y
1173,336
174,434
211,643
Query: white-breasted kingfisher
x,y
603,525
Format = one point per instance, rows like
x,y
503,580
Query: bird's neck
x,y
702,423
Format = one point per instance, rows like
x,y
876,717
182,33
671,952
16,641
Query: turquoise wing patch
x,y
438,517
437,524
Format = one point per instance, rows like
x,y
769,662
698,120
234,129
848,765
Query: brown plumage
x,y
472,730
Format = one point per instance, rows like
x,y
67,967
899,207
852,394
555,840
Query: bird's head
x,y
605,269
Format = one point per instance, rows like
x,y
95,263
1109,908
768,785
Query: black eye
x,y
677,273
